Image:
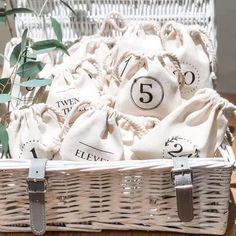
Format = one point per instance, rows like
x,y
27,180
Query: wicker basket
x,y
136,195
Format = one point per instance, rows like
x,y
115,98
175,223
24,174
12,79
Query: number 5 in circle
x,y
142,91
146,92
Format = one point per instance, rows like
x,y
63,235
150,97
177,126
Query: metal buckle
x,y
183,172
36,185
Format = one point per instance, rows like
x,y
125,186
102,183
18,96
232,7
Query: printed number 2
x,y
34,153
173,153
142,91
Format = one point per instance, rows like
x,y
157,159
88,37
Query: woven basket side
x,y
136,199
90,14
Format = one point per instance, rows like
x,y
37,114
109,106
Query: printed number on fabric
x,y
179,147
192,78
146,92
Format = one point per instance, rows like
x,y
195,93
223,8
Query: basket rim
x,y
83,166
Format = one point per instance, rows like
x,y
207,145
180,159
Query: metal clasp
x,y
36,185
185,173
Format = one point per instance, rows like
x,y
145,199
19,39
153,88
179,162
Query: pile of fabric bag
x,y
145,94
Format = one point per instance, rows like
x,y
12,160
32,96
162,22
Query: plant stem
x,y
41,11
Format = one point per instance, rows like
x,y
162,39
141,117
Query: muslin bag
x,y
195,129
132,129
34,132
195,53
70,86
149,88
139,38
91,134
99,44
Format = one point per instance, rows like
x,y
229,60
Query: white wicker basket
x,y
93,12
117,195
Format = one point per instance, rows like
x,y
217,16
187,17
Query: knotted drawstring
x,y
193,30
113,21
142,62
176,63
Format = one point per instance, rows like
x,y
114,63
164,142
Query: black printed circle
x,y
192,77
146,92
177,146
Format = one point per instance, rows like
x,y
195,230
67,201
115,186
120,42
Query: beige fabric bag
x,y
139,38
195,53
34,132
70,87
94,47
195,129
132,129
149,88
91,134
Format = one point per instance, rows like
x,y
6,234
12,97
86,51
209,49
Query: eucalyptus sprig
x,y
24,63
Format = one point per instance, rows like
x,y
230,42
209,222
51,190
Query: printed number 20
x,y
148,94
191,75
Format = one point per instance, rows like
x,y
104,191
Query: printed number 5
x,y
142,91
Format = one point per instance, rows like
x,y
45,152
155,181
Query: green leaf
x,y
4,138
5,98
69,7
24,40
5,85
3,18
19,10
57,28
31,56
15,54
36,83
46,50
48,45
30,68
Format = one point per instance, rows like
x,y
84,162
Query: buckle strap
x,y
36,189
182,178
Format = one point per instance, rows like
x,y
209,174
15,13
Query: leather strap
x,y
183,180
36,190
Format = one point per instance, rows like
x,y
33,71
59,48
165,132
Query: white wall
x,y
226,36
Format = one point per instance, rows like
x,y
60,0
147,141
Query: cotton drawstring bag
x,y
140,38
195,53
133,128
99,44
34,132
91,134
195,129
149,88
71,86
94,46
